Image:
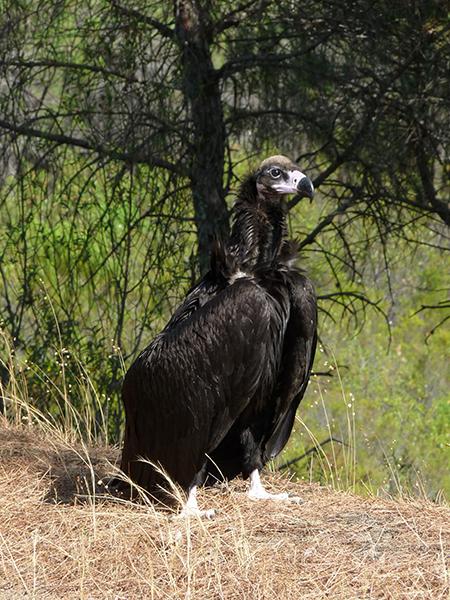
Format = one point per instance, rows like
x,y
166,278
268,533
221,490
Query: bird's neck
x,y
259,227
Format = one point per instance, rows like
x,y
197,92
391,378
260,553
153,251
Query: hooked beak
x,y
305,187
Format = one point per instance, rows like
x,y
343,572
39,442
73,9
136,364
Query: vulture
x,y
215,394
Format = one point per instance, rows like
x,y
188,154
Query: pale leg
x,y
191,509
257,491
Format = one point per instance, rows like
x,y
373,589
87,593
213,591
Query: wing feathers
x,y
190,385
299,346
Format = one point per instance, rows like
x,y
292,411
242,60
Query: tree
x,y
154,105
141,86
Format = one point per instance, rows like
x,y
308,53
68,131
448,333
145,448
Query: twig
x,y
310,451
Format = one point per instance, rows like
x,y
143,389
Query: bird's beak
x,y
296,183
305,187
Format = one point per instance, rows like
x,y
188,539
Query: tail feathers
x,y
145,482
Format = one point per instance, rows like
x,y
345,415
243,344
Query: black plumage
x,y
215,393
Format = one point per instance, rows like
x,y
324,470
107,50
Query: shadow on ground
x,y
71,474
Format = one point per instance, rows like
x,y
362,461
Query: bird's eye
x,y
275,173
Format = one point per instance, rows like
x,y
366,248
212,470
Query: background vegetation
x,y
125,127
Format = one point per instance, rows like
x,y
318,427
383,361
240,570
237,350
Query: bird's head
x,y
279,176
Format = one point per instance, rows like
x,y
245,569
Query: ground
x,y
63,537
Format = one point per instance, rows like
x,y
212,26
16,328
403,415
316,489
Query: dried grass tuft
x,y
61,536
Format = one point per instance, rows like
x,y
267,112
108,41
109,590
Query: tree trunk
x,y
202,92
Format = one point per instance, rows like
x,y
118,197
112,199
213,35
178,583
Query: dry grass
x,y
57,541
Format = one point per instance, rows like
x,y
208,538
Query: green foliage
x,y
89,277
386,395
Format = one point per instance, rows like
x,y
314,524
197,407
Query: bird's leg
x,y
257,491
191,509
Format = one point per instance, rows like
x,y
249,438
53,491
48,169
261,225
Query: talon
x,y
188,512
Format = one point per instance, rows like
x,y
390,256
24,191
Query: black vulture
x,y
215,394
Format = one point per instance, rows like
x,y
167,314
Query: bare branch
x,y
235,16
252,61
34,64
137,157
440,207
310,238
433,330
441,305
315,448
147,214
163,29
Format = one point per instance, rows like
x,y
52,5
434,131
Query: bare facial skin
x,y
278,175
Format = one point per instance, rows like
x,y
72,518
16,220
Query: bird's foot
x,y
257,491
264,495
191,509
